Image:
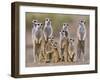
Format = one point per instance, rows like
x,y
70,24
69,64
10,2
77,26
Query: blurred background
x,y
57,22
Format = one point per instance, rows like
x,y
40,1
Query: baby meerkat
x,y
55,54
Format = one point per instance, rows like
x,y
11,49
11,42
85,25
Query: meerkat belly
x,y
48,31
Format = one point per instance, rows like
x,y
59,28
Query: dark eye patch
x,y
63,31
70,39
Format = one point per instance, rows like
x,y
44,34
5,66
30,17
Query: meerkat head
x,y
71,41
55,45
63,33
65,26
34,22
47,21
51,39
41,25
82,22
38,26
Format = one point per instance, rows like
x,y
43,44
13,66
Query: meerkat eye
x,y
41,24
34,21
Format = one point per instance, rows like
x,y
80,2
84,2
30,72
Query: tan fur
x,y
71,52
55,55
64,45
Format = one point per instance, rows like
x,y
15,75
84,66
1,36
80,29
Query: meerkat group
x,y
47,50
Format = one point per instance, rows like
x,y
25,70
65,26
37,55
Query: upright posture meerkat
x,y
33,27
64,36
81,34
38,33
36,39
33,36
71,52
48,31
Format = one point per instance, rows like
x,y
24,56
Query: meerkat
x,y
81,35
48,48
34,22
33,36
37,40
48,31
33,27
55,53
38,33
71,52
64,42
64,47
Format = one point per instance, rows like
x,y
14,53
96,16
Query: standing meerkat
x,y
71,52
64,36
36,38
38,33
48,31
34,22
81,35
